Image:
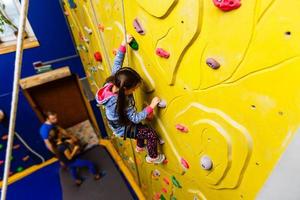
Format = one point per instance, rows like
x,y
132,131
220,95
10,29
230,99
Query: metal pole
x,y
15,93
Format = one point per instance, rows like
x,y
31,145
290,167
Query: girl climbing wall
x,y
124,120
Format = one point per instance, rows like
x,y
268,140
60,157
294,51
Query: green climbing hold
x,y
133,44
19,169
1,146
11,158
162,197
175,182
173,198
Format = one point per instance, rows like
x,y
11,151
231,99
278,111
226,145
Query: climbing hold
x,y
101,27
166,180
162,53
212,63
66,13
195,198
184,163
1,162
88,30
98,56
1,146
86,40
11,158
173,198
93,69
115,51
162,197
162,104
133,44
10,173
157,196
25,158
19,169
165,162
138,27
175,182
155,174
72,4
182,128
227,5
206,162
16,146
164,190
4,137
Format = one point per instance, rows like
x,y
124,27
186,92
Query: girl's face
x,y
130,91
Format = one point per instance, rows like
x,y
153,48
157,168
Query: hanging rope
x,y
125,32
15,95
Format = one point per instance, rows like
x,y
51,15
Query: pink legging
x,y
148,134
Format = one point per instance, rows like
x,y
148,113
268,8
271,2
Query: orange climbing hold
x,y
16,146
101,27
25,158
166,180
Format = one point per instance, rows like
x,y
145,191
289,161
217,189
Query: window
x,y
9,21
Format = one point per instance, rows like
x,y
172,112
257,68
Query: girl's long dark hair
x,y
124,79
53,137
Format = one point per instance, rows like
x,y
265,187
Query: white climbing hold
x,y
88,30
206,163
162,104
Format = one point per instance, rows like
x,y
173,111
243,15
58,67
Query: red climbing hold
x,y
162,53
182,128
16,146
98,56
165,162
166,180
164,190
185,164
227,5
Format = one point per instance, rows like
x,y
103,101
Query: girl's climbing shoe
x,y
158,160
139,149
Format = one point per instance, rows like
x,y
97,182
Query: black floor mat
x,y
110,187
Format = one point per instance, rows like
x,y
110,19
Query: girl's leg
x,y
150,135
74,173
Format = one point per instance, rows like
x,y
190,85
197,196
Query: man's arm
x,y
49,146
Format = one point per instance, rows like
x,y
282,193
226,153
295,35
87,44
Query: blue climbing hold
x,y
72,4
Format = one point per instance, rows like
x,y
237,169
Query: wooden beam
x,y
44,77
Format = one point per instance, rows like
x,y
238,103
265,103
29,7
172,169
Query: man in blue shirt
x,y
51,121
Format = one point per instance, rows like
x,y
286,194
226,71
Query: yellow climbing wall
x,y
230,83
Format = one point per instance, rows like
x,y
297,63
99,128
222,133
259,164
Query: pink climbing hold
x,y
182,128
164,190
1,162
162,53
166,180
184,163
227,5
4,137
138,27
212,63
